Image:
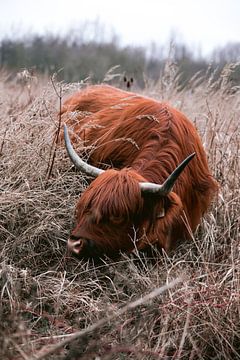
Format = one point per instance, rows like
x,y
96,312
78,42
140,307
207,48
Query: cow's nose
x,y
75,246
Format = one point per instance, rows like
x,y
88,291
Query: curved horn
x,y
166,187
77,161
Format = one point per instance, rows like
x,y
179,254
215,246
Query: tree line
x,y
77,58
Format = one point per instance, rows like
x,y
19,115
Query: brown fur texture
x,y
142,140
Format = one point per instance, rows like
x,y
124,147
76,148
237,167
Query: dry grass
x,y
46,295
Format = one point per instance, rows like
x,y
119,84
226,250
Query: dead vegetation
x,y
46,295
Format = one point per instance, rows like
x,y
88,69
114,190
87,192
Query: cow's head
x,y
120,210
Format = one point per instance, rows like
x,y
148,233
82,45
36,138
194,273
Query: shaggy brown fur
x,y
145,141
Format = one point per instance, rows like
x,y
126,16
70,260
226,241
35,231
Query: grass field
x,y
46,295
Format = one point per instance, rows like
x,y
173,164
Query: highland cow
x,y
151,181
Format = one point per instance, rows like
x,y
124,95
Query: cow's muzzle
x,y
82,247
76,246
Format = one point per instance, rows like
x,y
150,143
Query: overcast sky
x,y
204,23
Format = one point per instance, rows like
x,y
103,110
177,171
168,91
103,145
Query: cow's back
x,y
95,98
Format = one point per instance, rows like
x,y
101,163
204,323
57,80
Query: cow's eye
x,y
116,219
161,213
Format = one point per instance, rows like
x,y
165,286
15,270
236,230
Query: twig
x,y
185,330
22,353
108,350
3,141
132,305
56,137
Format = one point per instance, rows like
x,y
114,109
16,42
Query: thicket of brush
x,y
47,295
